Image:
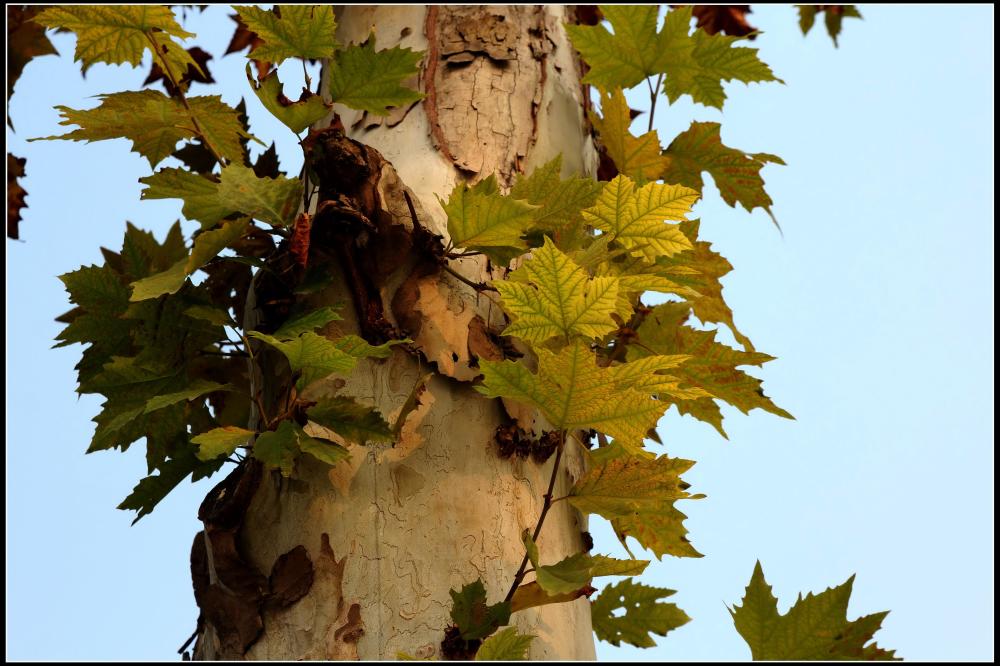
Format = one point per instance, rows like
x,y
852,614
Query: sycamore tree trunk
x,y
359,558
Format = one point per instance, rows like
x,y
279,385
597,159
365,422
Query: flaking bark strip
x,y
291,578
228,589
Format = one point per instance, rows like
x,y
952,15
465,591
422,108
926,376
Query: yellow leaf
x,y
551,296
636,218
636,157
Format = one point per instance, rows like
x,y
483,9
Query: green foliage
x,y
505,645
471,614
735,173
221,441
369,80
692,64
298,115
154,123
351,420
291,31
590,356
637,158
626,485
237,190
815,628
122,34
833,16
551,296
644,614
480,217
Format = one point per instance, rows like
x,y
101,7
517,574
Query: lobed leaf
x,y
297,116
815,628
643,614
636,157
505,645
636,218
550,296
480,218
369,80
291,31
735,173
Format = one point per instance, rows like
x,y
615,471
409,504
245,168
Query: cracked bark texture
x,y
392,530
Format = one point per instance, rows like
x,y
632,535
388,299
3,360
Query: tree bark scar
x,y
346,220
484,80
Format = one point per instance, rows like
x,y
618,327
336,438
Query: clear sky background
x,y
877,301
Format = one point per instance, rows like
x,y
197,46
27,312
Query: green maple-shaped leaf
x,y
735,173
814,629
625,485
550,296
357,347
352,420
636,218
291,31
165,282
701,270
833,15
117,34
238,190
154,123
644,614
480,218
636,157
311,355
505,645
195,389
576,571
473,617
662,531
369,80
221,441
297,115
207,246
307,321
693,63
628,56
322,449
574,393
221,126
713,59
199,193
151,490
279,448
560,201
712,366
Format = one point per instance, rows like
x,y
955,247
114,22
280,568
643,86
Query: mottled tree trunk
x,y
386,535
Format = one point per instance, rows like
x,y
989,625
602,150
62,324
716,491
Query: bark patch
x,y
484,78
291,578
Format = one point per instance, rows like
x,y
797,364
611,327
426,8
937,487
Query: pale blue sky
x,y
877,301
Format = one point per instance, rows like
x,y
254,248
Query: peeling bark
x,y
438,508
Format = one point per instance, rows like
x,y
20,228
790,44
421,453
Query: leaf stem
x,y
547,503
175,81
475,285
653,94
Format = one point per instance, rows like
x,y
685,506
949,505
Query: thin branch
x,y
653,94
475,285
547,503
